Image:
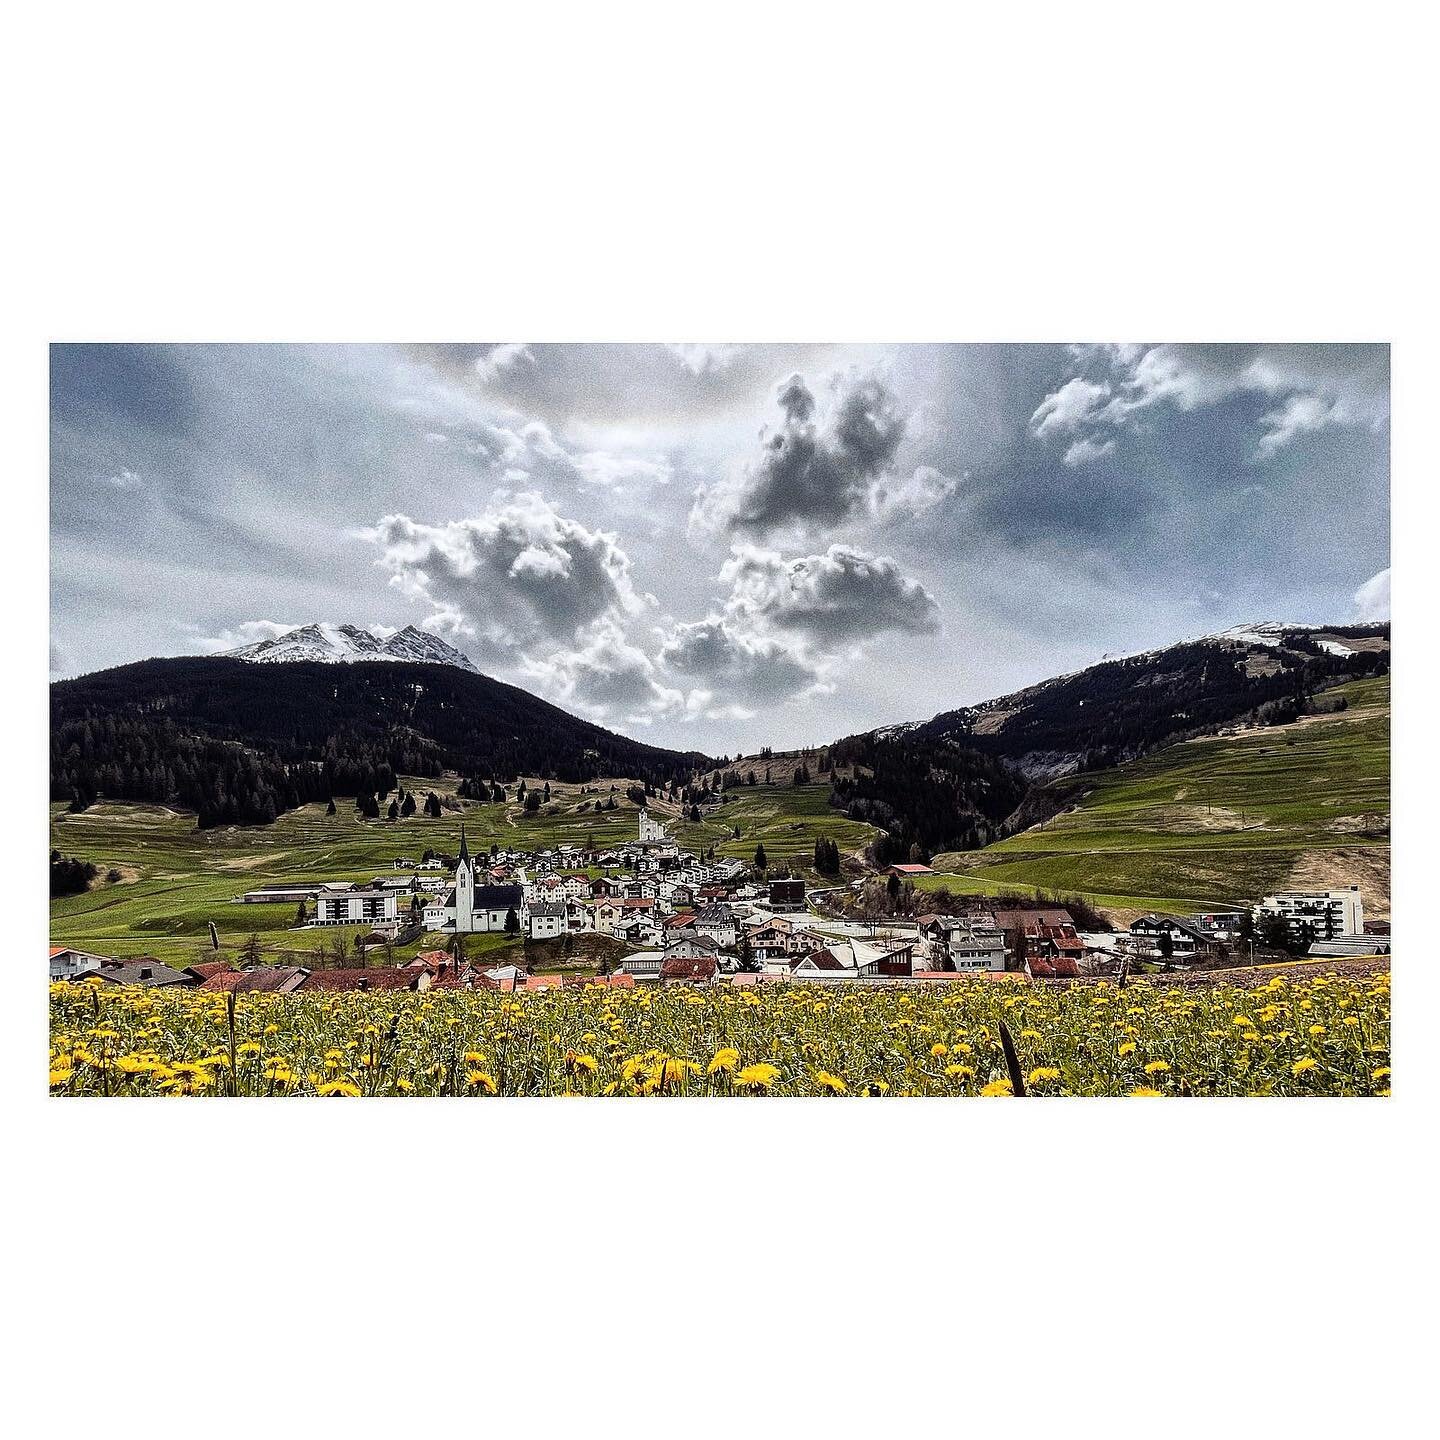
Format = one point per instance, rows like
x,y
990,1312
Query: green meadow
x,y
1212,823
177,879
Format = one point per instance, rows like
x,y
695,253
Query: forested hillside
x,y
241,743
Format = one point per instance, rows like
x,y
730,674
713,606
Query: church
x,y
470,908
652,832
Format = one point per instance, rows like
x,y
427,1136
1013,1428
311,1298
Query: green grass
x,y
1214,822
179,879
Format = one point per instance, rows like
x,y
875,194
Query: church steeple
x,y
464,848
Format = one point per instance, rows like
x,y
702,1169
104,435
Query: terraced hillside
x,y
1213,822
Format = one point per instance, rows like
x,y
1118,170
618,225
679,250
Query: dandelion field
x,y
1323,1035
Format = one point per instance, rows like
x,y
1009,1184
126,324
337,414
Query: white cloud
x,y
700,359
1314,386
513,577
1083,451
1075,402
124,480
247,632
499,358
1372,599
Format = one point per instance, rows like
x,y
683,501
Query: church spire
x,y
464,848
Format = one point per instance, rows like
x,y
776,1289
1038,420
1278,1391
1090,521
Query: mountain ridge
x,y
326,644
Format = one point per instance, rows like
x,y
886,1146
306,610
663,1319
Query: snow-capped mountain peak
x,y
341,644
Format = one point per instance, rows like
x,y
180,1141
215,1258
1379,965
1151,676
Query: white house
x,y
547,920
719,923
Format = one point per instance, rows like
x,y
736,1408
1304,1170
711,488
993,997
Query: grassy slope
x,y
1213,822
186,877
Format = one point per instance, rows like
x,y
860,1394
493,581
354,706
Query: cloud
x,y
837,598
516,576
814,470
124,480
1313,387
606,677
247,632
1083,451
1372,599
700,359
735,666
498,358
1075,402
786,625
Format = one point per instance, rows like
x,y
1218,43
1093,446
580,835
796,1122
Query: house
x,y
141,971
355,905
874,963
908,872
718,922
819,964
65,964
692,947
1012,918
787,895
688,969
1051,967
969,945
1316,914
548,920
1159,936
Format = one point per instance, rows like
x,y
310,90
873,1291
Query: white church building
x,y
652,832
470,908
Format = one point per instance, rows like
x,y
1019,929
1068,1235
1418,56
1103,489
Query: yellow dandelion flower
x,y
726,1059
479,1080
1145,1090
1306,1062
998,1087
1157,1067
759,1077
1041,1073
337,1087
1128,1048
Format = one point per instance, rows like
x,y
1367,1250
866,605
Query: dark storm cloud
x,y
812,472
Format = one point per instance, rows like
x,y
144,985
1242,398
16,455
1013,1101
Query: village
x,y
649,912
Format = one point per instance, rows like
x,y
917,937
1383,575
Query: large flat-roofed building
x,y
1323,914
356,905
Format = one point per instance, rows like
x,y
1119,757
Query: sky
x,y
718,546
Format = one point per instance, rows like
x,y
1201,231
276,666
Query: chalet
x,y
142,971
1012,918
1166,936
1051,967
969,945
65,964
908,872
897,963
